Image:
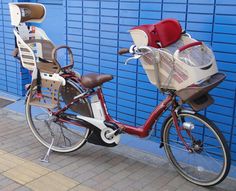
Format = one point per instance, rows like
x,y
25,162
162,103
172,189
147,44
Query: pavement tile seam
x,y
30,174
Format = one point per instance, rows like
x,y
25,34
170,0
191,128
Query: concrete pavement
x,y
90,168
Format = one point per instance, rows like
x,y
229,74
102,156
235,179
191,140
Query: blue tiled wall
x,y
97,29
13,76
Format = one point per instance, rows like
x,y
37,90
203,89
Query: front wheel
x,y
207,162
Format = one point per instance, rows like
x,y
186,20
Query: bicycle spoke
x,y
212,157
67,137
73,132
177,147
198,165
209,147
197,169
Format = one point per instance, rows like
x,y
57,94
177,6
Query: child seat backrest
x,y
33,43
162,34
26,12
26,53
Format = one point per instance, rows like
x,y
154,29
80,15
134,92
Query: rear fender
x,y
27,88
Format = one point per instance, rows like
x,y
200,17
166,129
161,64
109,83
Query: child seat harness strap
x,y
39,84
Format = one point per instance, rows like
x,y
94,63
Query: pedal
x,y
117,129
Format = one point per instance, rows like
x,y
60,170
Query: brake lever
x,y
135,57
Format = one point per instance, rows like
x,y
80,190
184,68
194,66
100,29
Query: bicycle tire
x,y
186,169
41,133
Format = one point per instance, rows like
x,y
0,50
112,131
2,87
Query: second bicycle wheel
x,y
208,162
67,137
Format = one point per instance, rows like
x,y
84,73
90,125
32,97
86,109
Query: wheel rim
x,y
67,137
206,164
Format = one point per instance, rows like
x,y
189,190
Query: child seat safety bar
x,y
182,48
189,46
70,54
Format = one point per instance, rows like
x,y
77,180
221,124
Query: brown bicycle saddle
x,y
93,80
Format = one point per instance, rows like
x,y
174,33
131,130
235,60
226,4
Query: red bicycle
x,y
65,110
193,143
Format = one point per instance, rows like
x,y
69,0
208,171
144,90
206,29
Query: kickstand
x,y
46,157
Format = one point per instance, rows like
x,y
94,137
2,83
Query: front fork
x,y
179,128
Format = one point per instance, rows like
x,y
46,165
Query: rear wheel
x,y
67,137
208,161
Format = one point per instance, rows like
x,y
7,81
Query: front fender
x,y
162,130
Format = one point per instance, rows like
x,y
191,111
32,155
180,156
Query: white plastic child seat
x,y
178,71
33,43
35,51
167,68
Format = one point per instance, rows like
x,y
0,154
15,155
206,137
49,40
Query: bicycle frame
x,y
141,131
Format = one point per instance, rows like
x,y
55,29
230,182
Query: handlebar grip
x,y
189,45
123,51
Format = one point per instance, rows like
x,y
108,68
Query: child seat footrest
x,y
50,93
195,91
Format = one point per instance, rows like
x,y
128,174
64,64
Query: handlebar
x,y
123,51
133,50
137,52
